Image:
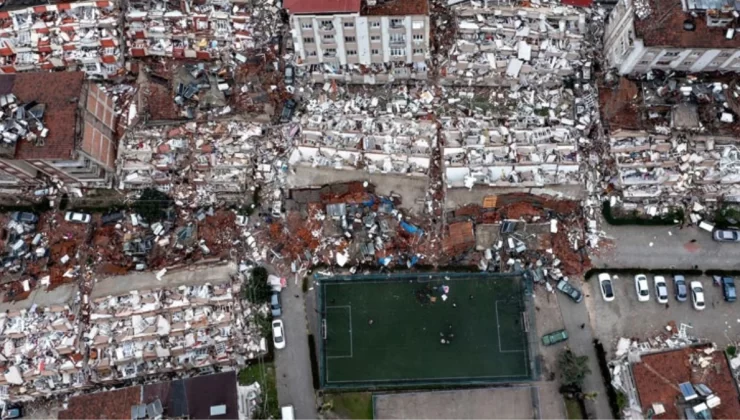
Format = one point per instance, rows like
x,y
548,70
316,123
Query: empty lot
x,y
627,317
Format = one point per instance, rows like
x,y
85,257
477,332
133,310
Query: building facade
x,y
332,39
672,35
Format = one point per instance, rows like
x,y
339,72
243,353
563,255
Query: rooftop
x,y
397,8
664,27
658,377
103,405
321,6
60,92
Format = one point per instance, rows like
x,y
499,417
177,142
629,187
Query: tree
x,y
151,205
257,290
573,369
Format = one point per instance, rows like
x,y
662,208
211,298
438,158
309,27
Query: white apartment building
x,y
333,39
673,35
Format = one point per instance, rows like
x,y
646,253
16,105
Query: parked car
x,y
697,295
288,109
607,289
241,220
13,412
289,75
24,217
641,286
726,235
71,216
275,304
278,334
728,289
112,218
679,284
554,337
569,290
661,289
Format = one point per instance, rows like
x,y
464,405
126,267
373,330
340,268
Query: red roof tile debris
x,y
321,6
60,92
664,27
618,105
578,3
658,375
461,237
397,8
103,405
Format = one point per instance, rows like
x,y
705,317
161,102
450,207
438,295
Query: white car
x,y
71,216
278,334
606,286
642,288
661,289
697,295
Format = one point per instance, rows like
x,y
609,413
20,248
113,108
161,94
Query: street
x,y
293,363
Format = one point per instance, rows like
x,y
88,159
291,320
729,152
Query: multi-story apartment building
x,y
56,125
333,39
673,35
74,35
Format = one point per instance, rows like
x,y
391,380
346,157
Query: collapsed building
x,y
673,138
508,44
72,36
361,41
176,322
56,126
184,29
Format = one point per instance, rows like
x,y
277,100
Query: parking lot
x,y
719,322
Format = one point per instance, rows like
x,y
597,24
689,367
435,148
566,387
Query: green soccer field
x,y
390,331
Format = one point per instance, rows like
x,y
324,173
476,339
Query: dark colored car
x,y
288,110
13,412
289,75
728,289
569,290
24,217
682,291
554,337
275,305
111,218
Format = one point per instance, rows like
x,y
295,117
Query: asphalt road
x,y
671,247
580,341
293,363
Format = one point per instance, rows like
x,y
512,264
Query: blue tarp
x,y
408,227
369,202
385,261
412,262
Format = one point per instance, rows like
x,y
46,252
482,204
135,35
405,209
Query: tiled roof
x,y
60,92
321,6
103,405
658,375
664,27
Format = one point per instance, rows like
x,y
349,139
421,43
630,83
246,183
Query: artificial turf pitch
x,y
380,331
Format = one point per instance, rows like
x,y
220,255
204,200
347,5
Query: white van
x,y
287,412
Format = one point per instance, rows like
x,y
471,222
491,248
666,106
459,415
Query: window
x,y
398,38
330,52
398,52
694,54
375,24
418,24
374,38
671,54
663,63
418,51
725,54
308,25
687,63
328,37
311,53
349,24
395,23
351,52
418,37
308,40
350,39
374,52
326,23
644,63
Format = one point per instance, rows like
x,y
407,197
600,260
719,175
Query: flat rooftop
x,y
397,8
658,377
664,28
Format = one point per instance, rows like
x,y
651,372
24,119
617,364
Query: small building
x,y
56,125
